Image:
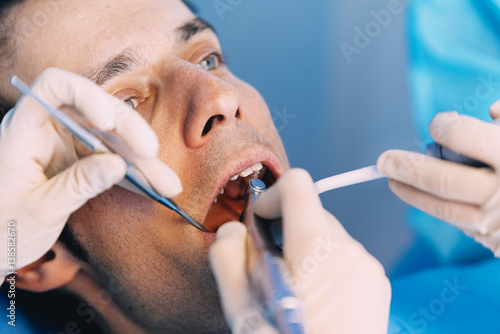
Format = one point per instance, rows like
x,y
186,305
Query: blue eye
x,y
212,61
131,103
209,63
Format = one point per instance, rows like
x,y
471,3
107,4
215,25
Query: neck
x,y
113,319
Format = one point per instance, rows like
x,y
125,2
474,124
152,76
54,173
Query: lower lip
x,y
210,237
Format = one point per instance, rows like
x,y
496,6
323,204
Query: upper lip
x,y
235,166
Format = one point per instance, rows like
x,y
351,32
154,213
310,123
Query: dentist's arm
x,y
43,180
344,288
464,196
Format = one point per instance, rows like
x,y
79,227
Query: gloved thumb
x,y
83,180
227,257
495,110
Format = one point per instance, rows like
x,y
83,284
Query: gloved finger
x,y
268,204
443,179
495,110
228,260
164,180
296,198
490,240
61,88
252,321
360,287
37,147
456,132
82,181
101,109
464,216
306,224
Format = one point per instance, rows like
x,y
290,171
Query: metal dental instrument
x,y
92,142
349,178
266,269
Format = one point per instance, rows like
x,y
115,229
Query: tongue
x,y
233,188
226,209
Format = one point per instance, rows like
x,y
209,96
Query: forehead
x,y
76,35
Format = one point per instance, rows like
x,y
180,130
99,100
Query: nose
x,y
209,103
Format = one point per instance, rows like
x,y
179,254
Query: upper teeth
x,y
255,168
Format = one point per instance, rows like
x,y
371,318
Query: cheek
x,y
258,116
253,105
119,226
109,225
255,110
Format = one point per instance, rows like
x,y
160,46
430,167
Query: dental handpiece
x,y
267,270
444,153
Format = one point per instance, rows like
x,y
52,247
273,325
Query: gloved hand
x,y
464,196
344,288
41,177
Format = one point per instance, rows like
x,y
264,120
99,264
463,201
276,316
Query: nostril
x,y
238,114
210,123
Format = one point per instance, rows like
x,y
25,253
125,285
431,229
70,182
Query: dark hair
x,y
7,48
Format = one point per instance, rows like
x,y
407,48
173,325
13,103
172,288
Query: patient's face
x,y
211,127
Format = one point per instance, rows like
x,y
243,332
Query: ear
x,y
53,270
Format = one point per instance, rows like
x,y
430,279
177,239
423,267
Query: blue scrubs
x,y
454,50
449,299
23,323
448,283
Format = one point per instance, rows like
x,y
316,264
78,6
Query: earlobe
x,y
53,270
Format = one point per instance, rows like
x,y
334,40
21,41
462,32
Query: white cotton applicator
x,y
356,176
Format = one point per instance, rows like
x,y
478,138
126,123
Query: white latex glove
x,y
41,178
466,197
344,288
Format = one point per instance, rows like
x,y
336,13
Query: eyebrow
x,y
195,26
126,60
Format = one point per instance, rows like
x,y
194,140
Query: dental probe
x,y
92,142
267,270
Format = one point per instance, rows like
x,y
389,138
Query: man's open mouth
x,y
229,202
